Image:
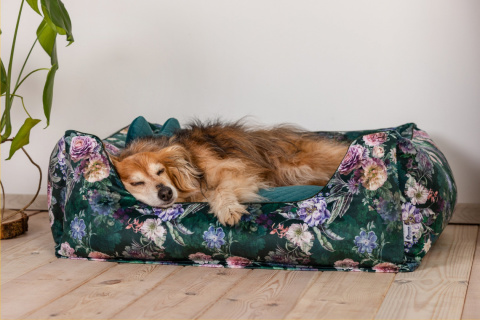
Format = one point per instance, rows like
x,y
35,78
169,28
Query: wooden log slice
x,y
15,227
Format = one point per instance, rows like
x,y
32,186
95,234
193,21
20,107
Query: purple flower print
x,y
353,185
407,146
169,213
313,211
61,152
410,164
78,171
352,160
366,242
420,133
77,227
265,219
410,214
388,210
82,147
123,214
424,163
111,149
214,238
103,202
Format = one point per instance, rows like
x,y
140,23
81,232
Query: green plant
x,y
55,21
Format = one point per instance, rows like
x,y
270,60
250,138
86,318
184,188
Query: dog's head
x,y
159,178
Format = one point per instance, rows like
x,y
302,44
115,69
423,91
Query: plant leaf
x,y
175,235
340,207
48,93
34,5
46,36
3,78
325,244
6,124
329,233
56,11
3,122
22,137
191,209
52,25
180,227
323,240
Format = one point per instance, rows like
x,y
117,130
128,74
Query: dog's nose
x,y
165,193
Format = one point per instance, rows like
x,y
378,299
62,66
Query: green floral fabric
x,y
383,209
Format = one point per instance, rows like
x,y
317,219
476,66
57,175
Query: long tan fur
x,y
225,164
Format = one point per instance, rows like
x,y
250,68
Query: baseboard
x,y
466,213
18,201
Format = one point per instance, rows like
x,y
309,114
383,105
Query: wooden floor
x,y
36,285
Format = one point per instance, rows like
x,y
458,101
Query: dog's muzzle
x,y
165,193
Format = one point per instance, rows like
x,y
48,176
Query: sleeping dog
x,y
225,164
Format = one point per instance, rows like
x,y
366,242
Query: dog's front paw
x,y
231,214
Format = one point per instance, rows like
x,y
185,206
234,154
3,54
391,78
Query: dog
x,y
225,164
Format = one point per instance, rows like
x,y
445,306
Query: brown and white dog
x,y
225,164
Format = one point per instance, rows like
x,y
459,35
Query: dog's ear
x,y
184,174
115,160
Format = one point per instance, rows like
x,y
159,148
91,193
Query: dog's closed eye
x,y
139,183
159,172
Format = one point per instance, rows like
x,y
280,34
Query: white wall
x,y
326,65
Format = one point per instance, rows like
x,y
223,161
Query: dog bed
x,y
382,210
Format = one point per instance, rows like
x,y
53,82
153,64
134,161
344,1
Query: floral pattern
x,y
214,238
382,211
313,211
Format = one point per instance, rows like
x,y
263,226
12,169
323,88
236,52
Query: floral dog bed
x,y
383,209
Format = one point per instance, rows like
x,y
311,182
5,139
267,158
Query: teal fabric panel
x,y
140,127
169,127
290,193
137,129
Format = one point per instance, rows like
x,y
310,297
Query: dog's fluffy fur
x,y
225,164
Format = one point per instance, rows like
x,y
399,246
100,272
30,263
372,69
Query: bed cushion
x,y
383,209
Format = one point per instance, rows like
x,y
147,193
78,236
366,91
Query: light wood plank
x,y
466,213
27,257
344,295
263,294
184,295
33,290
101,297
471,309
437,289
38,225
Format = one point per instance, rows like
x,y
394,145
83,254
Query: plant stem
x,y
18,86
23,105
10,62
8,98
38,189
23,67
